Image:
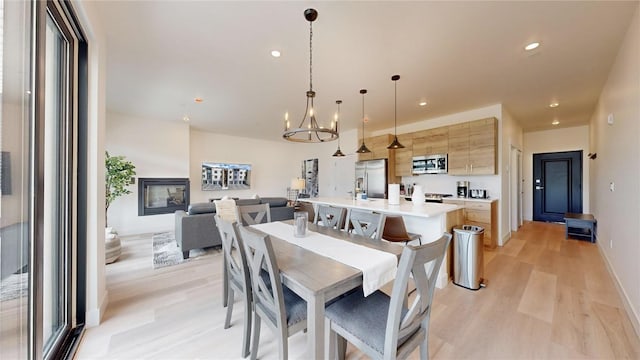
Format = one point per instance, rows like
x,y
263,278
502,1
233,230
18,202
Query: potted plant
x,y
118,176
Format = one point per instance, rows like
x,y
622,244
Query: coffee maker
x,y
463,189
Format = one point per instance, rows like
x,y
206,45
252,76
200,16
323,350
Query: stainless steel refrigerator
x,y
371,177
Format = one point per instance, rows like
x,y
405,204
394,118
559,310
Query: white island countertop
x,y
406,208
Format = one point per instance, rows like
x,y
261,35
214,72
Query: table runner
x,y
378,267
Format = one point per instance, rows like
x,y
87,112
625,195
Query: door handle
x,y
539,187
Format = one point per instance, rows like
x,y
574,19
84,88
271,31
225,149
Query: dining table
x,y
319,279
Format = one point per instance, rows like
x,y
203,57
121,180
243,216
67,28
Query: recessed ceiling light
x,y
422,103
553,104
275,53
532,46
185,118
198,100
555,122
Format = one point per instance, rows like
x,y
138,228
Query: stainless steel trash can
x,y
468,256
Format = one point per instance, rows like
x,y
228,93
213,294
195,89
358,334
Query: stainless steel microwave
x,y
430,164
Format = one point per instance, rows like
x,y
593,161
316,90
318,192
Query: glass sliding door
x,y
41,293
16,23
55,230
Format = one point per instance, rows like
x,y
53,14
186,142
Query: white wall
x,y
97,295
274,164
618,162
163,151
512,136
557,140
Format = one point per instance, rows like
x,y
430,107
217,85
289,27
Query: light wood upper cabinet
x,y
404,157
430,142
472,147
458,161
483,146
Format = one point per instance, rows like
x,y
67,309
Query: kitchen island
x,y
429,220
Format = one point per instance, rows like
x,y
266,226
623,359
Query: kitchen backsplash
x,y
446,184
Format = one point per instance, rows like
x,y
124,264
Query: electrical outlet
x,y
612,186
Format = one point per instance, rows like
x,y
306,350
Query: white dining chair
x,y
273,303
329,216
238,276
365,223
382,326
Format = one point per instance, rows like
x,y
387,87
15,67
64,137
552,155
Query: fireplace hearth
x,y
162,195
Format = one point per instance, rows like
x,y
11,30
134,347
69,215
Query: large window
x,y
42,288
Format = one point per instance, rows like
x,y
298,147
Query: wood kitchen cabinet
x,y
472,147
404,156
378,146
431,142
480,213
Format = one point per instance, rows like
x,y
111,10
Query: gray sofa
x,y
196,228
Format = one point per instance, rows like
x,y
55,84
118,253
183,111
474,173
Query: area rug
x,y
14,286
167,253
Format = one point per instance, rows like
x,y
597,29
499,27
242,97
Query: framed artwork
x,y
223,176
310,176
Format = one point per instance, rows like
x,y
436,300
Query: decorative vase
x,y
112,245
418,195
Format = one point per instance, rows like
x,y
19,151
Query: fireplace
x,y
162,195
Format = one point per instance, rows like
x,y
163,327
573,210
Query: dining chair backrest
x,y
235,256
365,223
422,263
275,304
329,216
236,275
254,214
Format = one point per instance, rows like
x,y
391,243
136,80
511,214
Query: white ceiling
x,y
455,55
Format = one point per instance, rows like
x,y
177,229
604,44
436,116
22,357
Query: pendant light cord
x,y
310,55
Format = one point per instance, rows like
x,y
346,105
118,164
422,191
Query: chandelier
x,y
309,131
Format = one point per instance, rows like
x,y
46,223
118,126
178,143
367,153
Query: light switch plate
x,y
610,119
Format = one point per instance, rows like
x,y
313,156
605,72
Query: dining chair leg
x,y
255,337
424,346
225,282
246,337
227,321
283,344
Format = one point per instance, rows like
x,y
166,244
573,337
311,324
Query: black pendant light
x,y
395,144
309,131
363,148
338,152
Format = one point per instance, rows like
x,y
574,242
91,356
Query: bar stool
x,y
395,231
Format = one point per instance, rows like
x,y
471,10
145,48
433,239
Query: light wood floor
x,y
547,298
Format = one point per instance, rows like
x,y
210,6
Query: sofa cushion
x,y
274,201
243,202
202,208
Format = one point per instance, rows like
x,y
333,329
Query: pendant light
x,y
311,132
338,152
363,148
395,144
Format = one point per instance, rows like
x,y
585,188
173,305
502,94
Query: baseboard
x,y
633,315
505,239
94,316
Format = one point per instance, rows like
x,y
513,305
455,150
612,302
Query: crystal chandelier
x,y
309,131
